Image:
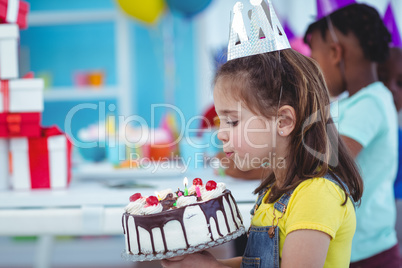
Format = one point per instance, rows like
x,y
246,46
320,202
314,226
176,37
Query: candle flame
x,y
157,195
185,181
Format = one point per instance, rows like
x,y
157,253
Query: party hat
x,y
390,22
266,34
326,7
289,33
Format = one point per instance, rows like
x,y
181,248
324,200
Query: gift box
x,y
4,164
19,125
21,95
14,11
43,162
9,35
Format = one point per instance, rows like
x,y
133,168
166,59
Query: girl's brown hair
x,y
286,77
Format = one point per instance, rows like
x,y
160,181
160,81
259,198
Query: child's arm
x,y
353,146
202,259
233,262
305,248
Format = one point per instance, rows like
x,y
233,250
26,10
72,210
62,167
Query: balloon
x,y
146,11
188,7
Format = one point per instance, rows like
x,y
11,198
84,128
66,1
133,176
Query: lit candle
x,y
185,182
157,195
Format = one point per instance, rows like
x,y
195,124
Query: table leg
x,y
43,251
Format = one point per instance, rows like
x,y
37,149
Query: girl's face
x,y
247,138
390,73
321,52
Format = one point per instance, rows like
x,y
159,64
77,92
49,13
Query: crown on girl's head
x,y
266,32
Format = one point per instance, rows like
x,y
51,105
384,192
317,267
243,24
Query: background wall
x,y
184,79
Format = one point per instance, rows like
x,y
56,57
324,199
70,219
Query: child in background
x,y
348,44
390,73
273,111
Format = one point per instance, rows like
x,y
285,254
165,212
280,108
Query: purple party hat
x,y
390,22
289,33
326,7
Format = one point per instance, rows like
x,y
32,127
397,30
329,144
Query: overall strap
x,y
282,203
340,183
261,195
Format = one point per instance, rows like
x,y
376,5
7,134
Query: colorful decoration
x,y
43,162
135,197
21,95
326,7
188,8
211,185
179,193
9,41
14,11
19,125
390,22
151,201
197,181
146,11
198,191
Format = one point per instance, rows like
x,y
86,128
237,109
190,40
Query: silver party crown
x,y
266,34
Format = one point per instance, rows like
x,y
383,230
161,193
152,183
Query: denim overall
x,y
262,249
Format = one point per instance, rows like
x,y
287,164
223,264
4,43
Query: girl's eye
x,y
233,123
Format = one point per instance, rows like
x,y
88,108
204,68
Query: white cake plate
x,y
180,252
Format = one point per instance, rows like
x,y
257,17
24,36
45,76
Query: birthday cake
x,y
177,223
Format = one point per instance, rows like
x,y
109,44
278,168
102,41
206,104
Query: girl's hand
x,y
202,259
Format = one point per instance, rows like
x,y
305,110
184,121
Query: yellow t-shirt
x,y
315,204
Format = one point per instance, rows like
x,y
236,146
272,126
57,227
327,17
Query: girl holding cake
x,y
273,106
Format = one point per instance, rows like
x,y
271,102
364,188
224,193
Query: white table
x,y
91,207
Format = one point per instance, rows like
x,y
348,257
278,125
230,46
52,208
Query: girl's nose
x,y
223,135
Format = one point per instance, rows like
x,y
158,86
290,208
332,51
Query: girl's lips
x,y
229,154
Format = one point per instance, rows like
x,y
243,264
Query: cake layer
x,y
182,228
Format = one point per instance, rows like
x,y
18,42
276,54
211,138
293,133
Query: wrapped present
x,y
14,11
4,164
21,95
43,162
9,35
19,125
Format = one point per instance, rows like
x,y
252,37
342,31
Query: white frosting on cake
x,y
196,226
208,195
135,208
152,209
162,194
218,191
185,201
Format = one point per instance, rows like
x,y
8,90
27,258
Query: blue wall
x,y
64,49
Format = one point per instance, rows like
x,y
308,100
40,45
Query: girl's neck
x,y
280,174
361,77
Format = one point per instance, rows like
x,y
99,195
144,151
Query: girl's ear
x,y
336,53
286,120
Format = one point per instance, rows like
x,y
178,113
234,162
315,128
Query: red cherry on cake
x,y
197,181
152,201
135,197
211,185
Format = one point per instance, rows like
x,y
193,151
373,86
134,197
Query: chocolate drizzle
x,y
149,222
